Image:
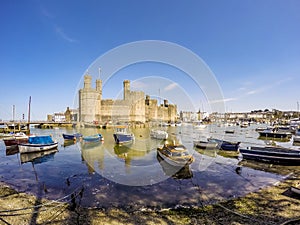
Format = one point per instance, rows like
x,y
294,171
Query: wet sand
x,y
271,205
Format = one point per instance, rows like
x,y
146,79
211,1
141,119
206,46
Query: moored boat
x,y
93,138
225,145
75,136
229,131
272,154
37,144
175,154
275,133
296,138
159,134
205,144
199,125
15,139
244,125
122,135
295,190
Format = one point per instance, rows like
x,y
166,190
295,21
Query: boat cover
x,y
40,140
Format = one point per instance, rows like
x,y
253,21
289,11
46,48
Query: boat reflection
x,y
127,153
38,157
267,167
175,172
274,139
11,150
90,145
69,143
211,153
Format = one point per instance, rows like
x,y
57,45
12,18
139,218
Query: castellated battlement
x,y
134,107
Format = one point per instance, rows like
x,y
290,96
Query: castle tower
x,y
87,101
98,101
126,89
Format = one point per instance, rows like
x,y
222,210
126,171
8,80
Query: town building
x,y
70,115
134,107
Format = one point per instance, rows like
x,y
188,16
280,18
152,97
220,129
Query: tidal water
x,y
134,177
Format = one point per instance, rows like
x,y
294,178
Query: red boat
x,y
15,139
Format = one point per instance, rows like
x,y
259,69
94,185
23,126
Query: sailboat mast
x,y
14,118
28,127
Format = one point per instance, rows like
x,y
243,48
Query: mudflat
x,y
272,205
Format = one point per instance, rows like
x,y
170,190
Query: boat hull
x,y
93,138
123,138
279,135
15,141
205,145
172,162
296,138
175,155
28,148
274,155
225,145
72,136
295,190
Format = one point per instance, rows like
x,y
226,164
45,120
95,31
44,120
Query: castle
x,y
134,107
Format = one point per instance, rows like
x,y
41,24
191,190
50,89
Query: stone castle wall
x,y
133,107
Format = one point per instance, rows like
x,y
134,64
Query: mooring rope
x,y
45,204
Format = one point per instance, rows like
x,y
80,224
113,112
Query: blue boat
x,y
225,145
93,138
122,136
75,136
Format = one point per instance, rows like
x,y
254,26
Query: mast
x,y
14,118
28,126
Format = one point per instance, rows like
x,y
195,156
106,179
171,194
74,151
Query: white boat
x,y
159,134
296,138
175,154
178,124
37,144
244,125
200,126
295,190
27,148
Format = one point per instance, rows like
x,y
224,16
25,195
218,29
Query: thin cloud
x,y
57,29
170,87
223,100
267,87
63,35
254,91
139,85
46,13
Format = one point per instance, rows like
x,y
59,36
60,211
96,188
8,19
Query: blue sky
x,y
252,47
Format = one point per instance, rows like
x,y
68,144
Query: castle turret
x,y
126,86
166,103
99,86
87,81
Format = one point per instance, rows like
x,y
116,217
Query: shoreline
x,y
271,205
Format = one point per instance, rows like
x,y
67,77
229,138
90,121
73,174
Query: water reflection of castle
x,y
134,106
